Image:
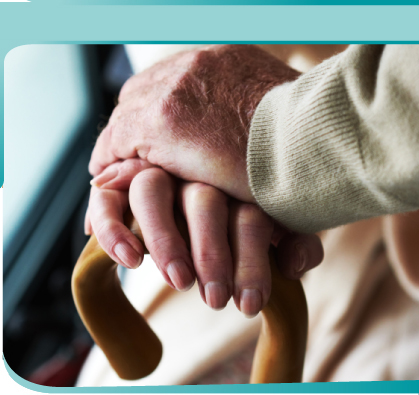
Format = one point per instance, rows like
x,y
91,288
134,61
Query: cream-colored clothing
x,y
363,323
341,143
363,307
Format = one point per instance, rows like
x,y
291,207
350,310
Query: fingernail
x,y
87,231
250,302
103,178
216,295
180,275
302,258
131,258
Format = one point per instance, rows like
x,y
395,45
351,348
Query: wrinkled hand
x,y
229,239
189,117
191,114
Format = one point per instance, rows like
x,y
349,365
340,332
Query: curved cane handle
x,y
280,350
133,349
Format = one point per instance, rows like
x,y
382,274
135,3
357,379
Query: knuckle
x,y
161,241
97,200
251,215
167,248
130,166
250,273
196,189
108,235
251,265
252,230
101,200
252,223
213,258
248,212
126,166
201,194
150,177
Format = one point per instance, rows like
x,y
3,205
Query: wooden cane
x,y
133,349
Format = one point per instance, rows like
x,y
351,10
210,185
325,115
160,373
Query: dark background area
x,y
44,340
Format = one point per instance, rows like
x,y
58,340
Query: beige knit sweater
x,y
363,299
341,143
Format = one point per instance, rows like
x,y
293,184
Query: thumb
x,y
120,174
298,253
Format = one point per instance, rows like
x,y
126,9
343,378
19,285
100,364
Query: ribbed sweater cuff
x,y
304,163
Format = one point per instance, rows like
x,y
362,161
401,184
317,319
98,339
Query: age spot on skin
x,y
215,99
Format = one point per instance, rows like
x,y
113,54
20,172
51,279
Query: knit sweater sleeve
x,y
341,143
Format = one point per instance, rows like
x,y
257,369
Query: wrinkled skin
x,y
191,115
179,136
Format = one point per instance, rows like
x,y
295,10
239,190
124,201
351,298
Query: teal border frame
x,y
383,387
62,22
41,22
229,2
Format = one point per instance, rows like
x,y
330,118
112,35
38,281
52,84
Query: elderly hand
x,y
229,239
191,114
189,117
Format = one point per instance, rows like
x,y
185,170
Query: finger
x,y
106,208
278,233
206,212
250,237
296,254
151,199
106,175
120,174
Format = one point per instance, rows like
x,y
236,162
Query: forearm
x,y
341,143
